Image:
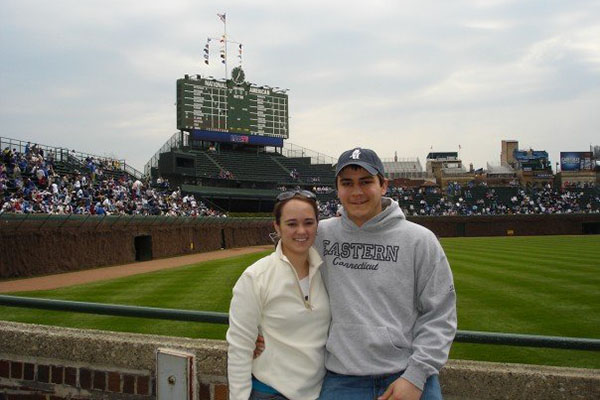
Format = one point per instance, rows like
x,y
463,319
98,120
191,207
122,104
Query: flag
x,y
207,51
459,147
222,16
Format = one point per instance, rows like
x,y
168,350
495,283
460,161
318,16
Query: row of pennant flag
x,y
222,48
222,53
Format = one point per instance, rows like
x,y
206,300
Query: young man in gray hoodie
x,y
391,290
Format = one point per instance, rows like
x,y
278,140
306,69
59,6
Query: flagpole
x,y
225,37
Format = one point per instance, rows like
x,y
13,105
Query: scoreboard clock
x,y
234,106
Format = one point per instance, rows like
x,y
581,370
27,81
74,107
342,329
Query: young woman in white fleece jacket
x,y
282,297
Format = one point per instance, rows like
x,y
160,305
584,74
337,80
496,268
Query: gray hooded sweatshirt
x,y
392,298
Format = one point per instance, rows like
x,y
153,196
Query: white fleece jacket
x,y
267,298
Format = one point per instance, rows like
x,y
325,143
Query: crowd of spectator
x,y
471,199
329,208
30,184
483,200
323,189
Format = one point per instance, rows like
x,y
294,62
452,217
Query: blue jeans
x,y
254,395
349,387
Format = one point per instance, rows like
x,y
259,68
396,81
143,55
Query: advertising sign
x,y
576,161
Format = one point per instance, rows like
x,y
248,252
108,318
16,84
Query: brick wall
x,y
51,363
31,380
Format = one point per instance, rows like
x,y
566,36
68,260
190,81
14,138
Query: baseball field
x,y
543,285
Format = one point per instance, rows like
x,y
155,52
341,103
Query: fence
x,y
555,342
62,154
176,141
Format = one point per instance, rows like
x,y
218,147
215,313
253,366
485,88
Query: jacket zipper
x,y
306,302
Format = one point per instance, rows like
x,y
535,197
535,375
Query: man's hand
x,y
401,389
260,346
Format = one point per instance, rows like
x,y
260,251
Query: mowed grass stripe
x,y
564,299
585,250
536,257
586,258
549,257
504,286
509,268
567,271
566,246
516,308
525,242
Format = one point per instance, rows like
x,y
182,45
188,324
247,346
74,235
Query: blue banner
x,y
213,136
576,161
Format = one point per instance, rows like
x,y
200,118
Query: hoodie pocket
x,y
358,348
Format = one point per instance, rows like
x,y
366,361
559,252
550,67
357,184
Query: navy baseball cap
x,y
365,158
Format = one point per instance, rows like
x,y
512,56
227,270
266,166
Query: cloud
x,y
388,75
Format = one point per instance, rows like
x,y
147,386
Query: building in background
x,y
532,167
501,175
446,167
507,152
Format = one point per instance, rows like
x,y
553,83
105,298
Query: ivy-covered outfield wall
x,y
37,245
41,245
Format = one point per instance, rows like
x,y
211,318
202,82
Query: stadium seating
x,y
255,166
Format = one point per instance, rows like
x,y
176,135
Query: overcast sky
x,y
394,76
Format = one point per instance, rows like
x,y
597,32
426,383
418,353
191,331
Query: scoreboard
x,y
227,106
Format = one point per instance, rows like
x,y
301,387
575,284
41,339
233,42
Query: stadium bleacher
x,y
52,180
248,179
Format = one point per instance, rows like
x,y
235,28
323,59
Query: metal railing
x,y
510,339
293,150
62,154
177,140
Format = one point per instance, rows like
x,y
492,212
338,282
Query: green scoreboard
x,y
232,106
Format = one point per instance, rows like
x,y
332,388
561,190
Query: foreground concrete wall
x,y
60,363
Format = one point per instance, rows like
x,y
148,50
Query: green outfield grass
x,y
545,285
